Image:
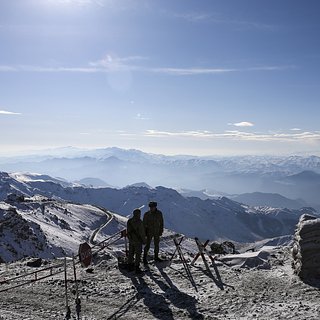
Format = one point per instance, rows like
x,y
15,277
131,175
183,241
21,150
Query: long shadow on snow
x,y
218,281
125,307
179,299
156,303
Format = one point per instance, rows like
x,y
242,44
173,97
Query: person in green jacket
x,y
153,224
137,237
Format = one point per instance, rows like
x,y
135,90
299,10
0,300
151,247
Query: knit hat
x,y
152,204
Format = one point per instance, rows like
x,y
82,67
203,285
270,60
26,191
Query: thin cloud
x,y
239,135
7,69
295,129
270,68
139,116
193,16
123,133
207,71
219,19
40,69
59,69
201,134
9,112
118,67
81,3
112,63
110,59
242,124
190,71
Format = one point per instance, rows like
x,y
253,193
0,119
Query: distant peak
x,y
306,174
139,185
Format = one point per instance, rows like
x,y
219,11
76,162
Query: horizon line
x,y
34,151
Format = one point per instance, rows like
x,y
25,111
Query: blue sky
x,y
174,77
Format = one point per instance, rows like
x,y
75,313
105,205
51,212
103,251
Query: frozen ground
x,y
164,292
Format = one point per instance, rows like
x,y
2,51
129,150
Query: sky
x,y
209,77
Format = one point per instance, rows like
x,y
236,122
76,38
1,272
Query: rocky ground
x,y
257,284
165,292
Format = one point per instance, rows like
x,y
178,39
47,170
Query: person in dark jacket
x,y
137,237
153,224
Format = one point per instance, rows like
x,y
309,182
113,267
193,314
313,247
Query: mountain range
x,y
215,219
293,177
268,199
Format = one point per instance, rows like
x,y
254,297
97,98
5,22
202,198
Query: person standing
x,y
153,224
137,237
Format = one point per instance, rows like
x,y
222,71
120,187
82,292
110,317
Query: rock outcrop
x,y
306,248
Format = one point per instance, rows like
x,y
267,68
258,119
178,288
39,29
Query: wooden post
x,y
78,301
75,276
199,253
176,244
68,314
183,260
65,280
126,244
202,250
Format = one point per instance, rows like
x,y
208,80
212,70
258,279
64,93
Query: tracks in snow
x,y
110,217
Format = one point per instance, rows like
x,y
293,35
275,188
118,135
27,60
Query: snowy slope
x,y
21,238
268,199
40,227
207,219
27,177
51,228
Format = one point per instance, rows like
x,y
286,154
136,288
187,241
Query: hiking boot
x,y
145,260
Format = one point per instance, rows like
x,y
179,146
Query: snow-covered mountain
x,y
40,227
289,164
203,194
267,164
207,219
93,183
255,199
268,199
20,238
140,184
229,175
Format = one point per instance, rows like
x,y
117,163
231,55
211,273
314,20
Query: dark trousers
x,y
156,241
135,250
